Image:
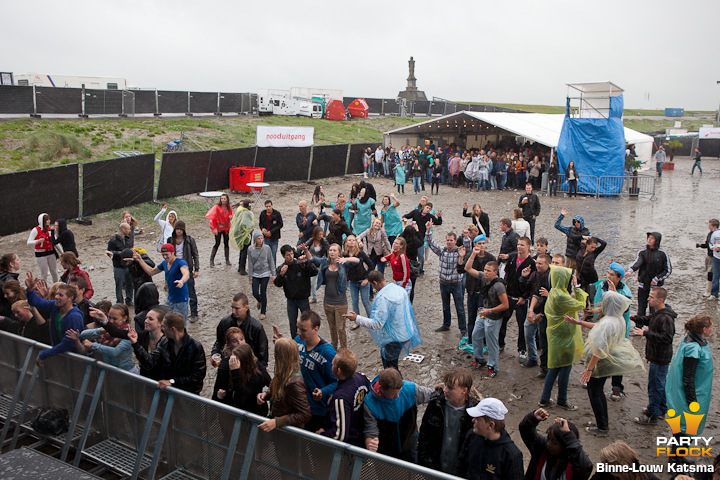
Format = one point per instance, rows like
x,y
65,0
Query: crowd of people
x,y
346,244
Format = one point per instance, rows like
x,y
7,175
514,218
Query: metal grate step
x,y
116,456
180,474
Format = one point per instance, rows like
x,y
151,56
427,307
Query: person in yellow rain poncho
x,y
564,339
610,353
241,229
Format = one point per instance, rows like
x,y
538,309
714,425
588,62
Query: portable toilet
x,y
358,108
335,110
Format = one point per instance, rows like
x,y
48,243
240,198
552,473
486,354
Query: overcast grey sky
x,y
521,51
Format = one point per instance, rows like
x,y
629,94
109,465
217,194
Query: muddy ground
x,y
680,211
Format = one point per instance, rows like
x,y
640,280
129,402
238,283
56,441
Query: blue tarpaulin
x,y
597,146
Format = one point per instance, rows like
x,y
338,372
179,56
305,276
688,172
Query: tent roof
x,y
596,87
539,127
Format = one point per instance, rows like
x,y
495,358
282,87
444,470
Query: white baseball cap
x,y
491,407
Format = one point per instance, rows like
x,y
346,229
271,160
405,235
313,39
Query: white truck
x,y
71,81
280,102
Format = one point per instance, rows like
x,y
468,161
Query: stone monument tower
x,y
411,92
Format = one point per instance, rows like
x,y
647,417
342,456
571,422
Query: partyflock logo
x,y
684,443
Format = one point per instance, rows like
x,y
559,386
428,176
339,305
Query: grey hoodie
x,y
260,261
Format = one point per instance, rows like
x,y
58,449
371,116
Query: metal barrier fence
x,y
122,422
621,185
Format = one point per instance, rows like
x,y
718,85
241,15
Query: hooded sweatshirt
x,y
261,264
481,458
652,264
65,237
316,369
45,247
659,335
574,235
166,229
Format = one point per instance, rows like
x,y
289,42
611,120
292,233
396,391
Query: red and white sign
x,y
268,136
712,132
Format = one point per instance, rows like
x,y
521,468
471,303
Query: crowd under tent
x,y
476,129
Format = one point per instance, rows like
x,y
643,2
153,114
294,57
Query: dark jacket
x,y
574,236
575,463
187,367
336,230
532,207
512,277
30,330
254,332
585,264
296,281
533,283
238,395
273,226
432,430
116,245
483,220
190,251
705,245
309,227
137,274
146,297
659,335
472,284
65,237
417,216
344,420
482,459
652,264
413,240
144,341
356,272
509,242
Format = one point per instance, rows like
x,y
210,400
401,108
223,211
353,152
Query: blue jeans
x,y
123,281
192,296
386,167
659,168
493,182
459,298
474,303
715,277
390,353
371,168
179,307
502,178
696,164
486,333
273,244
562,374
421,258
259,291
363,292
531,330
416,184
656,389
295,306
520,316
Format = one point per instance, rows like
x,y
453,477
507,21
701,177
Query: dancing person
x,y
479,218
186,249
392,222
399,264
177,274
653,267
41,239
560,454
376,240
658,330
610,353
261,269
270,225
293,276
167,226
246,382
357,274
564,339
219,216
115,351
574,233
71,265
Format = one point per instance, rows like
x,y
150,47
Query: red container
x,y
335,110
241,176
359,108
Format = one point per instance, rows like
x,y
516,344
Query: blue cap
x,y
480,238
617,268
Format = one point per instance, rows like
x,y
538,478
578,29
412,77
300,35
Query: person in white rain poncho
x,y
610,353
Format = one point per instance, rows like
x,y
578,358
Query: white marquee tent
x,y
475,129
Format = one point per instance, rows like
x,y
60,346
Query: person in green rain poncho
x,y
241,232
610,353
564,339
689,382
